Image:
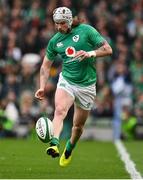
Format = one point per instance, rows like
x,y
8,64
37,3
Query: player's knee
x,y
60,111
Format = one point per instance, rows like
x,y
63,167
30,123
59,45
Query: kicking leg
x,y
63,101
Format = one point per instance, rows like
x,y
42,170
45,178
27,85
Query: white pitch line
x,y
129,164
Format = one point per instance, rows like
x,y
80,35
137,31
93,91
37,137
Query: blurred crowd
x,y
25,29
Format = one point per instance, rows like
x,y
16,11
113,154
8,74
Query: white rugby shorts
x,y
83,96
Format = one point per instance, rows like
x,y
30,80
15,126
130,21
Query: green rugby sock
x,y
69,146
54,142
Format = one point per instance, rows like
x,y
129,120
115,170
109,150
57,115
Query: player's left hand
x,y
80,55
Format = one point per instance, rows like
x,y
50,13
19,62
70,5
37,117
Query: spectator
x,y
122,90
26,28
129,123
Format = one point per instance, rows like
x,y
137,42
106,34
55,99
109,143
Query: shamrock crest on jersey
x,y
76,38
70,51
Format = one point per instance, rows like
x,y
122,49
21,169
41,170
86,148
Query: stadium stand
x,y
27,26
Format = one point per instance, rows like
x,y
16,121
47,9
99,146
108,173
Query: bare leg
x,y
63,102
79,119
80,116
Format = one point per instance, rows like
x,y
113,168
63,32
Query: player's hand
x,y
80,55
40,94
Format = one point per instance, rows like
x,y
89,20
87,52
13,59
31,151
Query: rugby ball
x,y
44,129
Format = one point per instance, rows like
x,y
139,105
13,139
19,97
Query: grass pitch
x,y
135,150
26,159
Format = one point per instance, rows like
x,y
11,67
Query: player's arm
x,y
104,50
44,72
44,75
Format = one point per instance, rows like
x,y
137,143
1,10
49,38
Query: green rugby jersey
x,y
82,37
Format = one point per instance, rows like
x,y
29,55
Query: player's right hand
x,y
40,94
80,55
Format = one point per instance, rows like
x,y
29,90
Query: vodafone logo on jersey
x,y
70,51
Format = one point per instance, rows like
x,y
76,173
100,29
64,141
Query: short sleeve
x,y
95,37
50,51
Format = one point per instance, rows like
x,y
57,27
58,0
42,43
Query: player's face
x,y
62,26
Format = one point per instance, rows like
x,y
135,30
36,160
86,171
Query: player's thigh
x,y
63,99
80,116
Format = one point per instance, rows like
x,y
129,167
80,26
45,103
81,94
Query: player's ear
x,y
54,11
